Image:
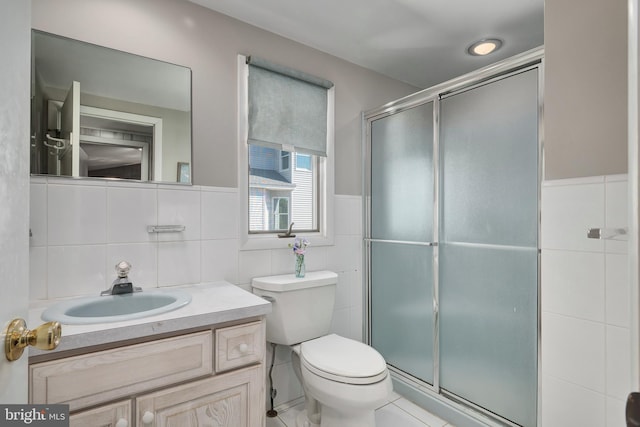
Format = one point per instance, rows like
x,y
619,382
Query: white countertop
x,y
211,303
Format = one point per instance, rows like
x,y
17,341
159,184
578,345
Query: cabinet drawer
x,y
239,345
116,414
98,377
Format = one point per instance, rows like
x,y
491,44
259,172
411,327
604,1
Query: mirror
x,y
98,112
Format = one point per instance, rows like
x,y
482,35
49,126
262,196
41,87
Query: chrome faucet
x,y
122,285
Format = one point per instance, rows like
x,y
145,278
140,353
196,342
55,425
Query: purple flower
x,y
299,245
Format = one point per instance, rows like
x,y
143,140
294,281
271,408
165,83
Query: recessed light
x,y
484,47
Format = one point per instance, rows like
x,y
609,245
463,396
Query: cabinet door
x,y
231,400
114,415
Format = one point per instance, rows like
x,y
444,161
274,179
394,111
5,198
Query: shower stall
x,y
451,186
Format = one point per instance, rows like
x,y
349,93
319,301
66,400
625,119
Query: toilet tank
x,y
301,308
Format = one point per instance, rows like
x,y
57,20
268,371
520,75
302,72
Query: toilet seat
x,y
343,360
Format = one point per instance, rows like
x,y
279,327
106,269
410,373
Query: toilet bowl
x,y
347,378
344,380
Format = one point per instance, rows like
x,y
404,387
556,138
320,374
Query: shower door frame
x,y
532,59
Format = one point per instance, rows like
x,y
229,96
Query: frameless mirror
x,y
99,112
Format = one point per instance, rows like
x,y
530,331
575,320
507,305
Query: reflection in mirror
x,y
99,112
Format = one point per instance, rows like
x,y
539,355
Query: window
x,y
268,183
285,157
303,161
285,166
280,213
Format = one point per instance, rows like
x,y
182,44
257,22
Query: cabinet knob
x,y
148,417
243,348
18,337
122,423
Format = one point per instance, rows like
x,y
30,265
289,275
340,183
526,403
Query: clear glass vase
x,y
299,265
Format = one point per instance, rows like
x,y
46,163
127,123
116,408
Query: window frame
x,y
325,169
285,155
275,203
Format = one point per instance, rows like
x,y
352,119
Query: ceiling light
x,y
484,47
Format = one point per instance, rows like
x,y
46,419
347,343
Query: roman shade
x,y
287,108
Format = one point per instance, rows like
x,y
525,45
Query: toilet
x,y
344,380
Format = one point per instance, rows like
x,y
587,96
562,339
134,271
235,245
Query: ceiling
x,y
421,42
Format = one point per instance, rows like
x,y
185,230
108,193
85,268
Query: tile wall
x,y
82,228
585,304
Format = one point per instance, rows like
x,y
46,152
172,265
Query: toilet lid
x,y
342,359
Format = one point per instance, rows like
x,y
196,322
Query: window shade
x,y
287,108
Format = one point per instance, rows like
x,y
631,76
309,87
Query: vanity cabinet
x,y
212,377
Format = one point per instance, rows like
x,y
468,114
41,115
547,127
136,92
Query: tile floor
x,y
398,412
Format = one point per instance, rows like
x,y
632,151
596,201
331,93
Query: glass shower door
x,y
401,236
489,246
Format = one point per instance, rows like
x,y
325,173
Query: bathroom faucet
x,y
122,285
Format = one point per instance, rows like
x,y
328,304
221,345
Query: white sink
x,y
116,308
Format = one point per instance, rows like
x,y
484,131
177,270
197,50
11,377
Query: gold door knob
x,y
17,337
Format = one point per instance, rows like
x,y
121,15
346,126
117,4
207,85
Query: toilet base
x,y
303,421
331,418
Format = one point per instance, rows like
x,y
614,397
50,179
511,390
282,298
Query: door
x,y
15,23
225,400
633,402
69,157
401,243
488,246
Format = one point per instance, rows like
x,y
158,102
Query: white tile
x,y
617,290
179,207
392,416
568,212
178,263
421,414
616,214
283,261
283,355
357,323
574,350
615,412
343,291
290,416
274,422
566,404
618,362
76,215
38,272
348,215
286,383
616,177
357,288
38,214
573,283
316,258
341,322
220,260
75,270
346,254
143,258
129,211
253,264
219,215
600,179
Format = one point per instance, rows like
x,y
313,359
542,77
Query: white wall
x,y
82,228
585,304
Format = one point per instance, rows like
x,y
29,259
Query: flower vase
x,y
299,265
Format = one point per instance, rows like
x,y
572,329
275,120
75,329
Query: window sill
x,y
271,241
